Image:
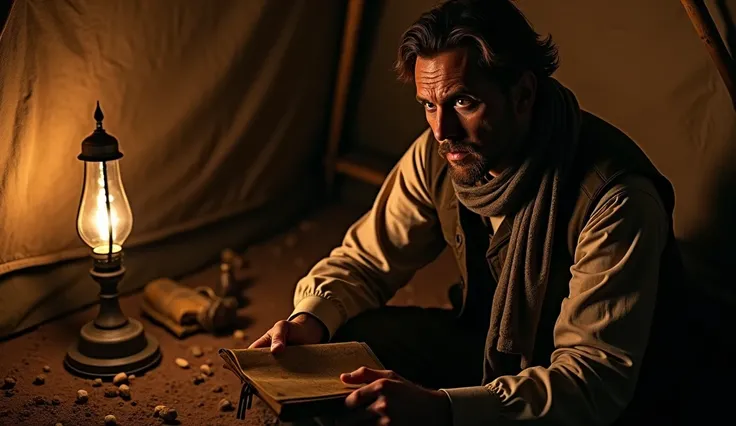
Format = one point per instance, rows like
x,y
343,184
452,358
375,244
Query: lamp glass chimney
x,y
104,220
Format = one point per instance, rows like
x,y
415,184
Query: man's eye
x,y
428,105
463,102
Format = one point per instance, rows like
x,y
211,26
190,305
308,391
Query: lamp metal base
x,y
102,352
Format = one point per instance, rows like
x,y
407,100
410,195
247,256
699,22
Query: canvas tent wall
x,y
214,120
640,65
173,101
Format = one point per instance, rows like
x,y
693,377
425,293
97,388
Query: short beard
x,y
471,170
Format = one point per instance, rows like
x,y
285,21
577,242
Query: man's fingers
x,y
379,406
367,375
367,394
278,336
262,342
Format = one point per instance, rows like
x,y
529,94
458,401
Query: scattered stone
x,y
46,368
201,404
131,378
87,414
111,393
205,369
168,414
39,380
9,383
225,405
124,391
97,383
39,400
55,400
208,362
198,379
82,396
239,334
9,392
110,420
196,351
181,362
121,404
157,410
133,403
58,424
119,379
217,389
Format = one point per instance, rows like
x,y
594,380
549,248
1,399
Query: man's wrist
x,y
309,320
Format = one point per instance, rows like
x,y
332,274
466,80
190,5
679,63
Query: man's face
x,y
472,119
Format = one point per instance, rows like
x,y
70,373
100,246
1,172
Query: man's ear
x,y
523,94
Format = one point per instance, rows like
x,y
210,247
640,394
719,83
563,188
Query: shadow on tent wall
x,y
709,257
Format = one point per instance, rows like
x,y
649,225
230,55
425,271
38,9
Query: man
x,y
562,229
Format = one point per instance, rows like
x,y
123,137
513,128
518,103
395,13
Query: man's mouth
x,y
456,155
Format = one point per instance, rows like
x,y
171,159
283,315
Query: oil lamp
x,y
112,343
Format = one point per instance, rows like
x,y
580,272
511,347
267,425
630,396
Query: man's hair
x,y
505,43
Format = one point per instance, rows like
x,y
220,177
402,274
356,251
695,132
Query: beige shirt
x,y
601,332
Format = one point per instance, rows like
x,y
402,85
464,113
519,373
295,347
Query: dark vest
x,y
605,154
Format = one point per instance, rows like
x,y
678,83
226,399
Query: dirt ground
x,y
276,265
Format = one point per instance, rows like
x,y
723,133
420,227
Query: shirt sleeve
x,y
381,251
603,327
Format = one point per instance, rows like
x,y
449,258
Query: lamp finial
x,y
99,116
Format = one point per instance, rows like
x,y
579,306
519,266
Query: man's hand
x,y
388,399
302,330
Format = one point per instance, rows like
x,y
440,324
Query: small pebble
x,y
55,400
97,383
131,378
181,362
9,383
39,400
168,414
124,391
201,403
199,378
47,368
9,392
39,380
82,396
196,351
205,369
58,424
217,389
111,393
239,334
157,410
119,379
208,362
225,405
133,403
110,420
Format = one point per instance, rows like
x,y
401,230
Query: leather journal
x,y
300,382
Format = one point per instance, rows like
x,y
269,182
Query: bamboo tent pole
x,y
351,33
708,32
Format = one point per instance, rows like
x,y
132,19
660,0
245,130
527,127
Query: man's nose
x,y
447,126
